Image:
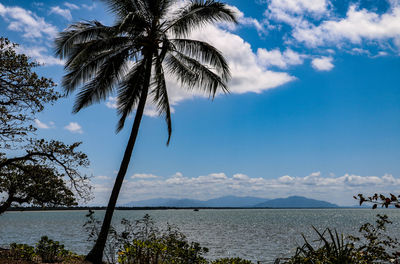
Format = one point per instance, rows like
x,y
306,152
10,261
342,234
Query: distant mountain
x,y
225,201
296,202
150,202
234,201
184,203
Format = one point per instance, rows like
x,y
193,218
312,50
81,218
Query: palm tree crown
x,y
148,36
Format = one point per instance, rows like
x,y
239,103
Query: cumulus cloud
x,y
358,25
243,62
322,64
74,127
317,7
65,13
42,125
89,7
71,6
248,75
317,24
240,177
143,176
22,20
338,190
293,12
314,23
279,59
40,55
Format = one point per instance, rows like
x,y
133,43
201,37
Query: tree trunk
x,y
96,254
7,203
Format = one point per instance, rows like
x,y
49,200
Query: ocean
x,y
255,234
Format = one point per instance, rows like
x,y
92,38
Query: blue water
x,y
255,234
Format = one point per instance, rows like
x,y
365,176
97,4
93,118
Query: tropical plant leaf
x,y
199,13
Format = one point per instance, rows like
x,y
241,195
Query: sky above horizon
x,y
314,108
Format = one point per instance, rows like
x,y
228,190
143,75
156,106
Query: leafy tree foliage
x,y
379,199
33,171
45,251
22,94
130,58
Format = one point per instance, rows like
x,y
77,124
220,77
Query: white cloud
x,y
65,13
240,177
74,127
42,125
143,176
243,20
330,188
25,21
285,179
293,12
71,6
248,75
178,175
243,62
40,56
102,177
358,25
279,59
89,7
112,102
322,64
318,7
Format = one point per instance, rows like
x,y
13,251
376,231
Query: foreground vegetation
x,y
142,242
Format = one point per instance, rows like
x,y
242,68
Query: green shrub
x,y
162,248
375,246
22,252
231,261
50,251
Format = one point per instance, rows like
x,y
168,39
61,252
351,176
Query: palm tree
x,y
130,58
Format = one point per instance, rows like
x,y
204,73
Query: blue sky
x,y
314,107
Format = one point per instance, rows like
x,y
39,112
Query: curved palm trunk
x,y
96,254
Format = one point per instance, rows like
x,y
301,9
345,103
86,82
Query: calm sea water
x,y
255,234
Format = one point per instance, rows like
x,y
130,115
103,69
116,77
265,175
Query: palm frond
x,y
129,92
134,23
192,73
158,8
82,52
79,33
123,7
199,13
205,53
160,96
86,62
100,87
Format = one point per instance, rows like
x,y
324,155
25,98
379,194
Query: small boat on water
x,y
196,210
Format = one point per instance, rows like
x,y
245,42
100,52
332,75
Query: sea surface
x,y
256,234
